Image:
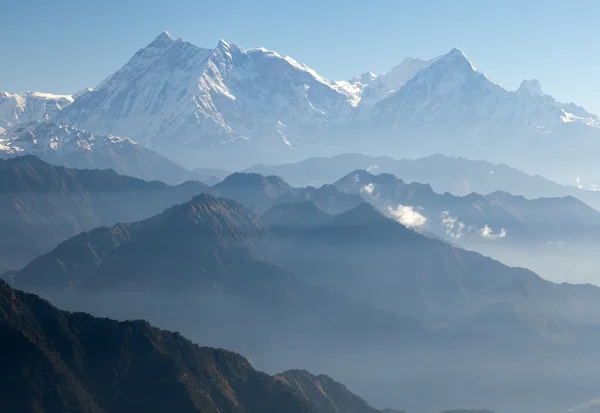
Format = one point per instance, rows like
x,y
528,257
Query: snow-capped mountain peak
x,y
222,44
451,94
531,87
173,95
230,107
30,106
457,56
443,87
50,139
364,79
377,87
162,41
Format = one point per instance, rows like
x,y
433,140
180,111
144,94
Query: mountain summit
x,y
531,87
180,97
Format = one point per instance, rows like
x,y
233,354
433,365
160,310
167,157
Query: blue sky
x,y
62,46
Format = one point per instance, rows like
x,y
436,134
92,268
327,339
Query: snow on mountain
x,y
29,106
230,107
391,81
77,148
364,79
43,138
172,94
451,95
531,87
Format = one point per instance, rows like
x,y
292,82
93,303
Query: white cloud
x,y
488,232
454,227
407,216
372,168
368,188
578,182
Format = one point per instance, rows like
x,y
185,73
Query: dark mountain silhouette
x,y
328,197
254,191
54,361
325,394
206,268
372,258
209,234
425,277
294,216
203,268
42,204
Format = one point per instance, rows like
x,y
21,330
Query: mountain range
x,y
76,148
54,361
252,290
232,107
107,366
457,175
380,271
25,107
42,205
555,236
492,216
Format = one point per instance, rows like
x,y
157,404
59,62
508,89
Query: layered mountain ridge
x,y
226,277
42,205
54,361
76,148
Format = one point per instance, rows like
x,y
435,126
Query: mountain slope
x,y
453,92
453,108
254,191
377,87
42,205
54,361
327,395
234,99
293,216
555,237
410,273
205,268
475,216
327,197
211,233
76,148
30,106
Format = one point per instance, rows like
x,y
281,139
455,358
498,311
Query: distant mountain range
x,y
492,216
76,148
213,270
42,205
459,176
230,107
26,107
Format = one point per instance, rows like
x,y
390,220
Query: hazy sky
x,y
62,46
